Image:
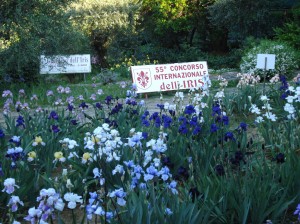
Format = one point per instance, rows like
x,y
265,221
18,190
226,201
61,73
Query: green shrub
x,y
229,60
286,60
289,33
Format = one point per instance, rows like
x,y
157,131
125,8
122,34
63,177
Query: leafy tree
x,y
111,26
172,22
290,32
29,28
243,18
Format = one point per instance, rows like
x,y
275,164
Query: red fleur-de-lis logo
x,y
143,78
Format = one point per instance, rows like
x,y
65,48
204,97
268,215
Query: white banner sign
x,y
265,61
156,78
65,64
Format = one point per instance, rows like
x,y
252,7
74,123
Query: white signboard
x,y
266,61
156,78
65,64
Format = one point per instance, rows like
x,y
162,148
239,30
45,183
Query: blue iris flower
x,y
145,135
1,133
214,128
1,170
193,121
243,126
182,119
172,112
145,123
20,122
167,121
229,136
160,106
154,116
216,110
225,120
196,130
157,122
183,129
189,109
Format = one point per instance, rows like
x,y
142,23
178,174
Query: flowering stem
x,y
105,197
119,217
73,216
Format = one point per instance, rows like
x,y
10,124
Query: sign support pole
x,y
265,69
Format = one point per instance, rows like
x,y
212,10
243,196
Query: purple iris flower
x,y
98,105
70,107
108,100
55,128
74,122
53,115
83,105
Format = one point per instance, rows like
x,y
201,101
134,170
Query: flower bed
x,y
195,163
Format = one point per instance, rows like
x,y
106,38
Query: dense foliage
x,y
163,30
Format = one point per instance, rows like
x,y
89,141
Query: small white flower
x,y
118,169
99,91
59,205
69,184
142,103
65,172
289,108
259,119
72,199
166,106
16,222
290,99
105,126
168,211
291,89
264,98
270,116
254,109
67,90
220,94
156,162
9,185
